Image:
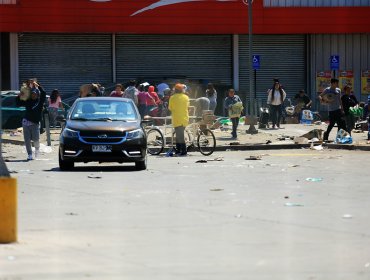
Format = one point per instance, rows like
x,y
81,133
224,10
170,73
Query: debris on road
x,y
94,177
313,179
216,190
259,157
292,204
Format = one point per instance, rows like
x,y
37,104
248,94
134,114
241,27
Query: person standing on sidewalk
x,y
331,96
179,107
234,105
55,102
349,100
31,121
211,94
276,97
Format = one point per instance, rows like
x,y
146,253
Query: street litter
x,y
347,216
71,214
94,177
313,179
300,140
268,142
254,158
238,216
216,190
212,159
317,148
315,133
234,143
343,137
292,204
201,161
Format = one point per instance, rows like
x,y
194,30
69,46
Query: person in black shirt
x,y
31,121
349,100
303,102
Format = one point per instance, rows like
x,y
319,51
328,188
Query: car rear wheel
x,y
65,165
140,165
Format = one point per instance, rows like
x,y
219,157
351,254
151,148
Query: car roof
x,y
10,92
105,98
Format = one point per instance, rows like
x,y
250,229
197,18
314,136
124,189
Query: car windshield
x,y
104,110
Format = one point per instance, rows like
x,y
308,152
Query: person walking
x,y
276,97
331,96
55,102
211,94
131,92
31,121
143,97
179,107
303,102
154,101
349,100
234,105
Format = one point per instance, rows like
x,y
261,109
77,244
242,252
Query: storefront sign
x,y
345,78
365,82
322,80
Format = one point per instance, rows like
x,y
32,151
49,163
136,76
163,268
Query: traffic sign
x,y
256,62
334,62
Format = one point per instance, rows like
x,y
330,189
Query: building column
x,y
14,61
236,61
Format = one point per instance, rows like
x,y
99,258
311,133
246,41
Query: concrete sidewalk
x,y
265,139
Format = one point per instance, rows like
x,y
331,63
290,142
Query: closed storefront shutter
x,y
193,57
65,61
281,56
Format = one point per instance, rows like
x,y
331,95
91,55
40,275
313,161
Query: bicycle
x,y
195,136
202,138
154,138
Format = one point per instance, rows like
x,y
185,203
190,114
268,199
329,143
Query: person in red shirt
x,y
117,92
154,101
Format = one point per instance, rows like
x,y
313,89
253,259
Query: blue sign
x,y
334,62
256,62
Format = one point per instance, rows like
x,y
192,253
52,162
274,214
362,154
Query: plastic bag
x,y
343,137
356,111
307,117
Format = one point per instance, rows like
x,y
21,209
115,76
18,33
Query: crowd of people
x,y
161,100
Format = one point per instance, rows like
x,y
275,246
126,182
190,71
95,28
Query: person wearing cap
x,y
276,97
303,102
179,107
367,116
349,100
31,121
331,96
55,102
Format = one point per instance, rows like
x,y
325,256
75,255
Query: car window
x,y
101,110
8,101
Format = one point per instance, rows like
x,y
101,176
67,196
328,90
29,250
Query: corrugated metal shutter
x,y
154,57
281,56
65,61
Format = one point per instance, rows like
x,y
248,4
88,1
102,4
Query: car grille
x,y
102,137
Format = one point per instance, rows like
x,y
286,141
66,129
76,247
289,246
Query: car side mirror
x,y
61,119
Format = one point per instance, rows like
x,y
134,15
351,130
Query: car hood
x,y
103,125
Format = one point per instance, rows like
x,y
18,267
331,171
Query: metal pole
x,y
250,64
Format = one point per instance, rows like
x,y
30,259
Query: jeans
x,y
31,133
235,122
53,113
276,113
335,117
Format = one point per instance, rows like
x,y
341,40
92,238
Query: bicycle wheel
x,y
155,141
206,142
188,140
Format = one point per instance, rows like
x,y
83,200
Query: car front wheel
x,y
140,165
65,165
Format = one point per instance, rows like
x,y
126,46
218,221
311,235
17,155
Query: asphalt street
x,y
282,214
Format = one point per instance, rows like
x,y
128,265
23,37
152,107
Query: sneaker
x,y
29,157
37,153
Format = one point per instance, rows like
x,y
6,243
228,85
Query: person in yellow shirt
x,y
179,107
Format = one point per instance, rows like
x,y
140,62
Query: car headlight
x,y
137,133
69,133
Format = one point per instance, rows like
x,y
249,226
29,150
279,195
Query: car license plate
x,y
102,148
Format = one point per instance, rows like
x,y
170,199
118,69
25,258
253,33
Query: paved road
x,y
230,219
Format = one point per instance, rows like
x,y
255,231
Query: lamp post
x,y
252,120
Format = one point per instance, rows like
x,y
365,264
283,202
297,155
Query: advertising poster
x,y
365,82
345,78
322,80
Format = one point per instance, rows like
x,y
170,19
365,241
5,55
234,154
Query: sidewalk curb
x,y
255,147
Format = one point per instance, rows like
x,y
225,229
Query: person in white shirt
x,y
276,97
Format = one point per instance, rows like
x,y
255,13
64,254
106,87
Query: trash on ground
x,y
313,140
315,133
343,137
234,143
201,161
317,148
347,216
94,177
293,204
254,158
238,216
268,142
313,179
216,190
295,165
300,140
71,214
